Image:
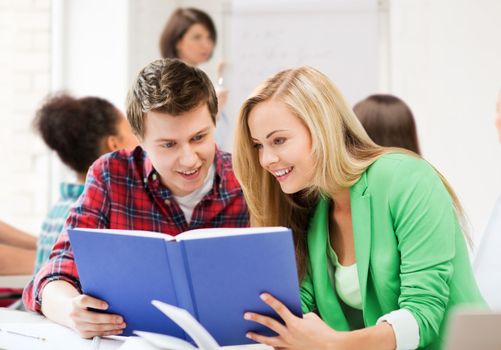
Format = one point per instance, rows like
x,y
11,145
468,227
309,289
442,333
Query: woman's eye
x,y
258,146
279,140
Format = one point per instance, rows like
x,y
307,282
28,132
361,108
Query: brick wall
x,y
24,82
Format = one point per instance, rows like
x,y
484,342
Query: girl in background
x,y
79,130
388,121
190,35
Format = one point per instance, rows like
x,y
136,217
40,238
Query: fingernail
x,y
247,316
119,320
263,296
248,335
105,306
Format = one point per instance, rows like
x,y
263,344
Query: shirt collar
x,y
71,190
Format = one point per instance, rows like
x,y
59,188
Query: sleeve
x,y
91,210
425,224
404,326
307,295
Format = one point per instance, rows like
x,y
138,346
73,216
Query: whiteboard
x,y
340,38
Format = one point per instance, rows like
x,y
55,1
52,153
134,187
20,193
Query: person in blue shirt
x,y
79,130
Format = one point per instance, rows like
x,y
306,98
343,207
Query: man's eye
x,y
198,137
168,144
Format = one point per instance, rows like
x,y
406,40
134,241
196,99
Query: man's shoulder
x,y
120,162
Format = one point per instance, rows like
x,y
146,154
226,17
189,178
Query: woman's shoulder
x,y
400,167
398,162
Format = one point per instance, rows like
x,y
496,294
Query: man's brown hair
x,y
168,86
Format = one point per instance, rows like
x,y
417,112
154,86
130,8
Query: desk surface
x,y
14,281
57,337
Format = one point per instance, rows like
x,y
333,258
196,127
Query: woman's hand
x,y
309,332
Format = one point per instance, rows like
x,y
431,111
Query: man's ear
x,y
111,143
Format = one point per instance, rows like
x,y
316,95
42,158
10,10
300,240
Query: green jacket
x,y
410,250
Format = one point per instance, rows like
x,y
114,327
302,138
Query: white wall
x,y
446,63
24,81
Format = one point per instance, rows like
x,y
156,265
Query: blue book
x,y
215,274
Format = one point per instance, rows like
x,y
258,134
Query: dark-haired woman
x,y
389,121
79,131
190,35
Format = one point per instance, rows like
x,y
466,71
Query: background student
x,y
79,130
389,121
190,35
176,180
380,250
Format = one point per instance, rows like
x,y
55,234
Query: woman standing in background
x,y
190,35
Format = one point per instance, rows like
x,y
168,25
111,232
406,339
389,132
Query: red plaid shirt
x,y
123,191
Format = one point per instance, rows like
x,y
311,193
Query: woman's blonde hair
x,y
341,151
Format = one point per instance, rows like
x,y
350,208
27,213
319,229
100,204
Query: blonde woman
x,y
380,250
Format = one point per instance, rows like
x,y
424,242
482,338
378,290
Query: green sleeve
x,y
307,295
425,224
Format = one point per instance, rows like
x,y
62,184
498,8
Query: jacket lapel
x,y
361,221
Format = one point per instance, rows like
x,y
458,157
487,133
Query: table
x,y
44,334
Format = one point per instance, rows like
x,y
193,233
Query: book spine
x,y
180,276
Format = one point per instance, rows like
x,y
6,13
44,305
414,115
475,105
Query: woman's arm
x,y
9,235
16,261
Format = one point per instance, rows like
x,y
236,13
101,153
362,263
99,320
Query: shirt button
x,y
167,201
154,177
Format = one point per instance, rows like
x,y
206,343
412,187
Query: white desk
x,y
14,281
57,337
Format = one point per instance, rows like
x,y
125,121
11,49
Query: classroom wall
x,y
24,81
445,61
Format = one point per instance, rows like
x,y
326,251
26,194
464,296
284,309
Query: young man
x,y
176,180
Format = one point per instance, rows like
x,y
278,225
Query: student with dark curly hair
x,y
79,131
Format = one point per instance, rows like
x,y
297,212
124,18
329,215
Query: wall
x,y
446,63
24,81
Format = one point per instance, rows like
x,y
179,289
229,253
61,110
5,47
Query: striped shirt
x,y
123,191
53,223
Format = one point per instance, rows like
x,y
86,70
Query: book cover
x,y
214,274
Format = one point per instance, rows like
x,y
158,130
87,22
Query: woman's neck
x,y
342,201
81,178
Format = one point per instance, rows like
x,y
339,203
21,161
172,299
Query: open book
x,y
215,274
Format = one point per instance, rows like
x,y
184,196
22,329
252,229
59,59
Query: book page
x,y
135,233
226,232
189,324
